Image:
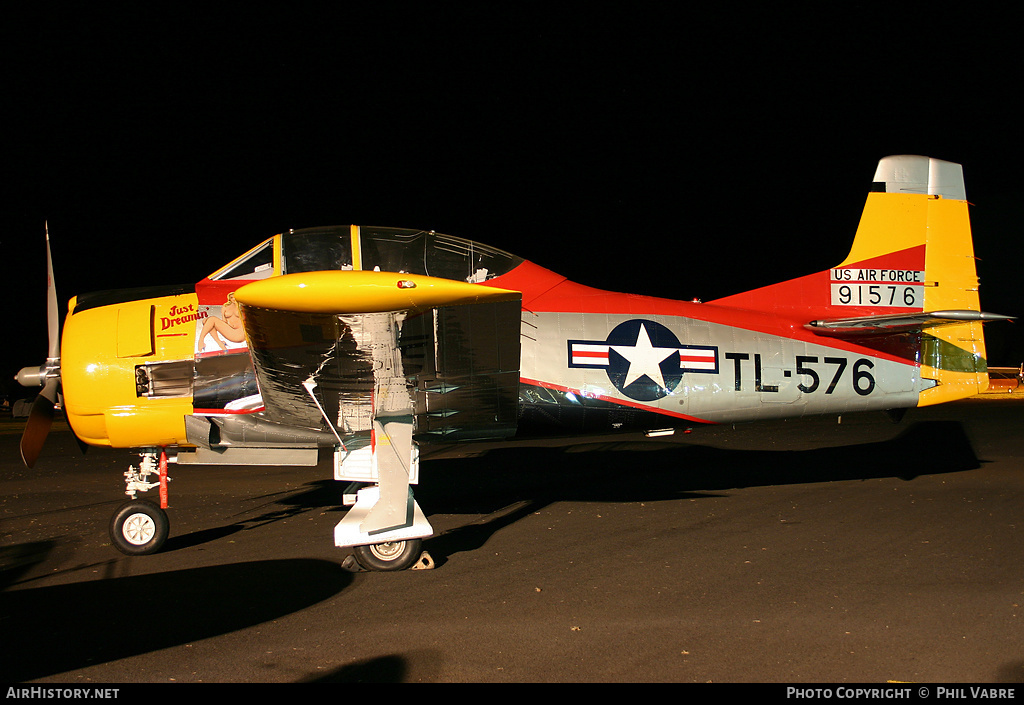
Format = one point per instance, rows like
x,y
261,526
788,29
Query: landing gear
x,y
139,528
399,548
393,555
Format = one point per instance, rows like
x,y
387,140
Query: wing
x,y
351,335
382,362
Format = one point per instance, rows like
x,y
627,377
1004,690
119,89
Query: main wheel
x,y
139,528
393,555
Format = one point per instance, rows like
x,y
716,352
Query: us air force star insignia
x,y
643,359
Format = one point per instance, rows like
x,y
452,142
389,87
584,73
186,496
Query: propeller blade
x,y
52,319
40,418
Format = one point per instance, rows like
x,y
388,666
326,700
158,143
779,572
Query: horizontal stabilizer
x,y
898,322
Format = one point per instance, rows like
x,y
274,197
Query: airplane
x,y
370,344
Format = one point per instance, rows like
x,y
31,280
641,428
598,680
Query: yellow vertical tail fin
x,y
909,282
919,212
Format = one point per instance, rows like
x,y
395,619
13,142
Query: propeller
x,y
47,376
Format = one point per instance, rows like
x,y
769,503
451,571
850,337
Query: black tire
x,y
139,528
393,555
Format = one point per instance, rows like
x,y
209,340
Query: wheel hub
x,y
388,551
139,529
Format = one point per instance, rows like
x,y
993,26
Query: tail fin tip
x,y
911,173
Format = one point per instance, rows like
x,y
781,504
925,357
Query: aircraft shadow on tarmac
x,y
528,479
513,482
54,629
323,495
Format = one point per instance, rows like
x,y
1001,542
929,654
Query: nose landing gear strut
x,y
140,527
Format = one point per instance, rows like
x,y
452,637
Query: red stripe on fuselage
x,y
784,313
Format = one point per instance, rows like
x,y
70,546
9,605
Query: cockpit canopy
x,y
371,248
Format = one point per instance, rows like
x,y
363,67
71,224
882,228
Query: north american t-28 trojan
x,y
372,343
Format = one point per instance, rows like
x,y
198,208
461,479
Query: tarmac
x,y
823,550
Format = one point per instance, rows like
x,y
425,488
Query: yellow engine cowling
x,y
102,347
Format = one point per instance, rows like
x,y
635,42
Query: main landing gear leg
x,y
385,527
396,548
140,527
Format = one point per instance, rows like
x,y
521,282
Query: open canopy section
x,y
343,248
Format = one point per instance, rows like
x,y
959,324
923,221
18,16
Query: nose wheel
x,y
139,528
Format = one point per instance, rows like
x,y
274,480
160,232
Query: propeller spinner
x,y
47,376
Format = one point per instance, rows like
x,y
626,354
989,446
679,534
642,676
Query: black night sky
x,y
674,153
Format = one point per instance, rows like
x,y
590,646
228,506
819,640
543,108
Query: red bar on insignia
x,y
589,354
697,359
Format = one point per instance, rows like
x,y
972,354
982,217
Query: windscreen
x,y
316,250
395,250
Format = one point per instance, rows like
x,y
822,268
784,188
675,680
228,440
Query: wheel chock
x,y
426,562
